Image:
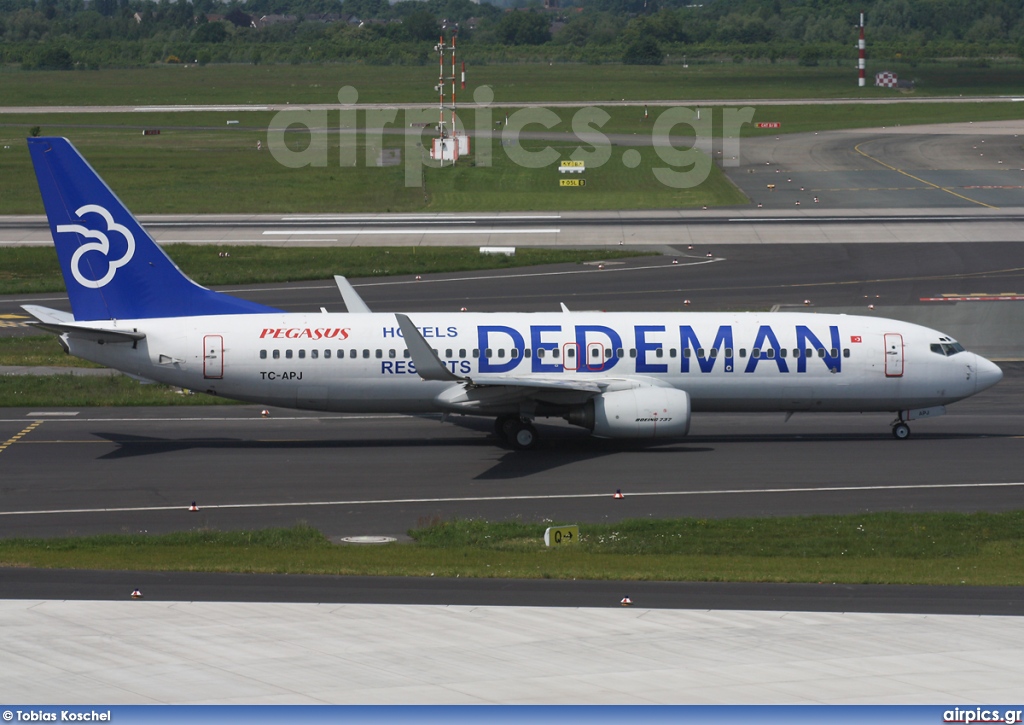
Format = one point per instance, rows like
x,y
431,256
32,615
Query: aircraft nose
x,y
988,373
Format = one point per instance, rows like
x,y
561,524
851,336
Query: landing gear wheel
x,y
523,435
901,431
503,427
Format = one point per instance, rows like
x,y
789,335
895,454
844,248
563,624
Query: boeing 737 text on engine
x,y
620,375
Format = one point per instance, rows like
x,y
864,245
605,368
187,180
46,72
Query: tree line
x,y
120,33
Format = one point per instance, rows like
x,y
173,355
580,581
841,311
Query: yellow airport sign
x,y
558,535
572,182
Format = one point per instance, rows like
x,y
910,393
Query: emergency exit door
x,y
893,355
213,357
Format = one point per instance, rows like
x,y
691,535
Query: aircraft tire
x,y
901,431
503,427
523,436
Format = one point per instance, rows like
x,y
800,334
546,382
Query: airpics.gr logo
x,y
102,245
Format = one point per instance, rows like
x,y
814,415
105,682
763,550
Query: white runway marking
x,y
315,232
416,217
548,497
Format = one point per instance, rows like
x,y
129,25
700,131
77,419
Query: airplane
x,y
619,375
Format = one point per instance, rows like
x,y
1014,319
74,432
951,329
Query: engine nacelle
x,y
636,413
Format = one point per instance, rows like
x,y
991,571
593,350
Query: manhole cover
x,y
368,539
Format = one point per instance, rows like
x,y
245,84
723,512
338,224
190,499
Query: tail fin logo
x,y
101,245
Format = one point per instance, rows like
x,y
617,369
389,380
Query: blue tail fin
x,y
112,268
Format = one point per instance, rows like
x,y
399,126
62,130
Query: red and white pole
x,y
860,51
463,75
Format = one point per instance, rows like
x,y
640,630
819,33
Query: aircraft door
x,y
213,357
893,355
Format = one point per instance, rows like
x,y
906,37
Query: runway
x,y
137,470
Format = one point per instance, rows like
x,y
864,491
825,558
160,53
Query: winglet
x,y
564,308
353,302
428,365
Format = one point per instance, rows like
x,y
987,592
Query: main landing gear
x,y
900,430
515,430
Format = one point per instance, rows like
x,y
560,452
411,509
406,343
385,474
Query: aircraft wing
x,y
430,367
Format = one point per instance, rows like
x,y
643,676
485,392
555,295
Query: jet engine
x,y
635,413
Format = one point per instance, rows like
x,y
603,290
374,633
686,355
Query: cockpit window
x,y
946,346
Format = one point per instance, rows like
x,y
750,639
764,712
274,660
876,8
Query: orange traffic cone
x,y
193,507
626,601
618,493
264,413
136,594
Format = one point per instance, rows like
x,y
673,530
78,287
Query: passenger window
x,y
632,352
554,353
728,352
846,352
288,354
476,352
833,353
796,352
514,353
501,352
277,354
392,353
302,354
672,352
607,353
620,352
327,354
595,353
406,354
687,352
570,352
755,353
770,353
782,352
540,352
314,354
352,354
448,352
487,352
743,352
659,353
462,353
526,352
366,354
714,352
810,352
378,353
263,354
700,352
821,352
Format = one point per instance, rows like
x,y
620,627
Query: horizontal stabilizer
x,y
95,334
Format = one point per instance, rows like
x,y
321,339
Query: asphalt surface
x,y
128,470
199,587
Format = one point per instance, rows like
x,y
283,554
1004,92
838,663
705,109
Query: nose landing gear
x,y
900,430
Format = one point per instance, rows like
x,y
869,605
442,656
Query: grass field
x,y
881,548
199,164
35,269
38,350
247,84
77,391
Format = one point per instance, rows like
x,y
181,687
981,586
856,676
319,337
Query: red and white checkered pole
x,y
860,51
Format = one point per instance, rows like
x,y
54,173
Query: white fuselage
x,y
724,361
